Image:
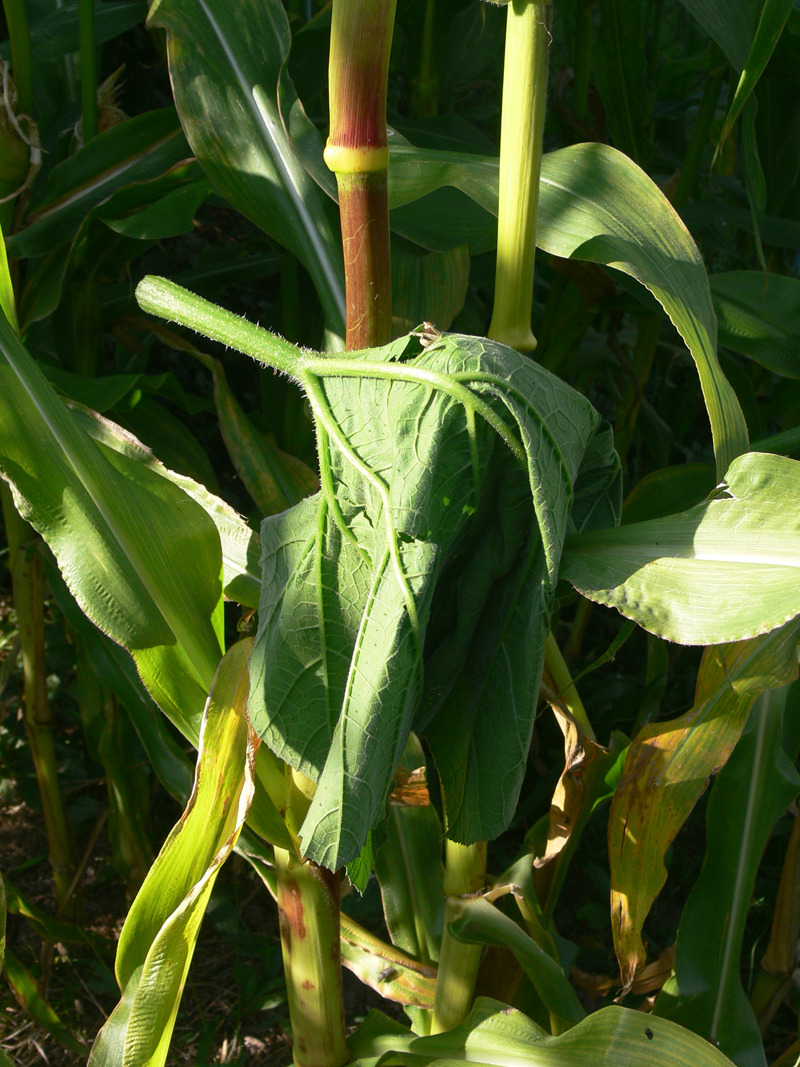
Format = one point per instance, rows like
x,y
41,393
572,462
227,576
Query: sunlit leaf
x,y
160,933
726,570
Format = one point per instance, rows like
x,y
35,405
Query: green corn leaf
x,y
499,1036
226,63
774,14
759,316
139,555
410,871
8,303
135,151
726,570
160,933
750,794
478,922
388,971
26,990
667,768
731,25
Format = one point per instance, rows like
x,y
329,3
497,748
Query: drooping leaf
x,y
160,932
225,65
499,1036
385,969
750,794
478,922
726,570
595,204
667,768
139,555
26,990
349,577
759,316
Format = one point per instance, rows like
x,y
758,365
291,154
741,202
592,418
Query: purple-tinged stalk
x,y
358,154
522,126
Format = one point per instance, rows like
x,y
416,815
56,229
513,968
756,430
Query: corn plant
x,y
407,609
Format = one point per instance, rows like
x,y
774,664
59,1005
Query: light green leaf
x,y
134,151
478,922
240,544
750,794
595,204
384,968
774,14
159,936
8,302
667,769
139,555
726,570
225,64
499,1036
759,316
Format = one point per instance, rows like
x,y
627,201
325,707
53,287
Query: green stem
x,y
702,127
169,301
524,96
21,59
464,875
28,589
565,688
308,901
88,59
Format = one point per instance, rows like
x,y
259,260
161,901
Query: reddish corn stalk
x,y
357,152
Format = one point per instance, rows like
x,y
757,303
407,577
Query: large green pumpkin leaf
x,y
226,64
723,571
595,204
414,488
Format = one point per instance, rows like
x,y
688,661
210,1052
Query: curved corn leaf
x,y
494,1034
385,969
726,570
225,64
595,204
159,936
141,558
774,14
759,316
667,768
750,794
477,922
